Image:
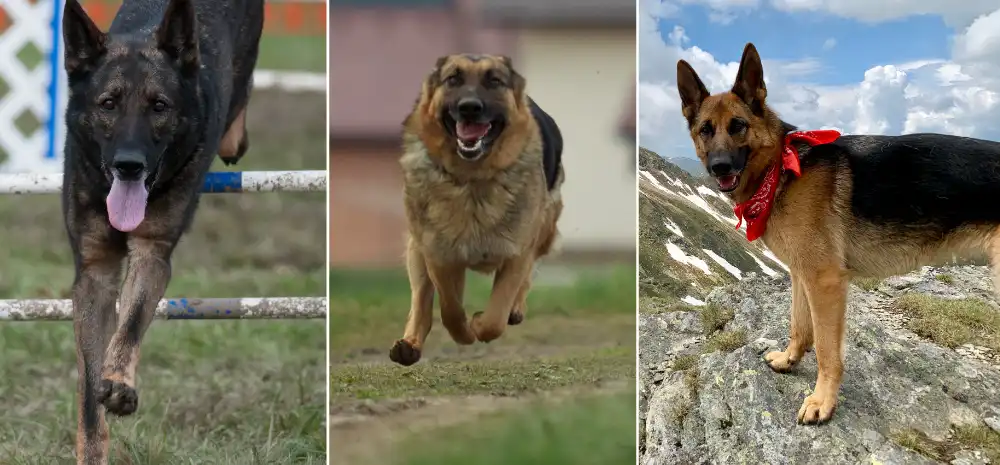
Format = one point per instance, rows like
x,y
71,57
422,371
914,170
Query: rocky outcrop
x,y
904,400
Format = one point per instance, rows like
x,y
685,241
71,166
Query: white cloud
x,y
829,44
959,95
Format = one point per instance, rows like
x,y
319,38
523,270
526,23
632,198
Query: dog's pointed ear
x,y
83,42
517,82
433,79
177,35
749,84
692,91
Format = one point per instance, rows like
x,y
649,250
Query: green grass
x,y
578,336
725,341
966,437
298,53
868,284
598,430
714,318
211,392
952,322
685,362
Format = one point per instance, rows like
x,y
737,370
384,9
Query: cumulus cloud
x,y
959,95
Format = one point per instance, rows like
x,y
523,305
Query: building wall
x,y
367,226
582,78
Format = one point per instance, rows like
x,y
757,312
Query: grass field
x,y
219,392
557,389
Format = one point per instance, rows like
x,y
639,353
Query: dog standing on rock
x,y
834,207
151,102
482,176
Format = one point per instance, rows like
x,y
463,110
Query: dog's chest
x,y
476,223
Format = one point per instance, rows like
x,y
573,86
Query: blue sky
x,y
858,45
859,66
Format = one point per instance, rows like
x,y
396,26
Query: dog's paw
x,y
230,161
817,409
403,353
485,332
516,317
780,361
118,398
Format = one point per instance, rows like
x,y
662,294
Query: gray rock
x,y
739,411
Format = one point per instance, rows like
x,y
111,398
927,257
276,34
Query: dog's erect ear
x,y
83,42
517,81
177,35
693,92
434,78
749,84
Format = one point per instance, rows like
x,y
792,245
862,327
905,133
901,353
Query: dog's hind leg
x,y
235,141
801,331
994,254
406,351
507,283
95,289
145,282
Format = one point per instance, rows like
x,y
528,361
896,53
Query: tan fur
x,y
812,228
229,147
492,215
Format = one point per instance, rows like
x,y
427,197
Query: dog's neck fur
x,y
762,160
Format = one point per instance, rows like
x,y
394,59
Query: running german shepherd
x,y
863,205
482,172
151,102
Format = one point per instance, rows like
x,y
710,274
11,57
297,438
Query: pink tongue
x,y
127,204
470,132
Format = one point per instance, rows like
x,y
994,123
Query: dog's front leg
x,y
145,282
509,279
801,331
95,290
406,351
826,289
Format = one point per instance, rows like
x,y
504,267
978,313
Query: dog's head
x,y
131,99
730,130
474,98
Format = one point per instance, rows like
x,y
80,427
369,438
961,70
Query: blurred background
x,y
221,392
579,335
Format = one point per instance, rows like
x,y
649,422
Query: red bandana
x,y
756,210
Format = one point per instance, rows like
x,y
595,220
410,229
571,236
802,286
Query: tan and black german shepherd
x,y
863,205
482,173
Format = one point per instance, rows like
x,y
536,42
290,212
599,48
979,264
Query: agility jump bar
x,y
263,308
222,182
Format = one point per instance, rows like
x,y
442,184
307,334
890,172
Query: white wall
x,y
582,77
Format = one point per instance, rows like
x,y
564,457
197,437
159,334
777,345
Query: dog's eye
x,y
737,126
706,129
453,80
495,82
108,104
159,106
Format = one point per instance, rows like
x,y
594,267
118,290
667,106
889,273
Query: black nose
x,y
470,107
721,168
129,165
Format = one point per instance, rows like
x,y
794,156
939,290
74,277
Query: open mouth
x,y
473,138
728,182
470,138
126,202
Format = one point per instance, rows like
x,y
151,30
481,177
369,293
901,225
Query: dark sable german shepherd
x,y
482,175
863,206
151,102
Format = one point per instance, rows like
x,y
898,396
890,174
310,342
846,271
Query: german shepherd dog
x,y
151,102
864,205
482,176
